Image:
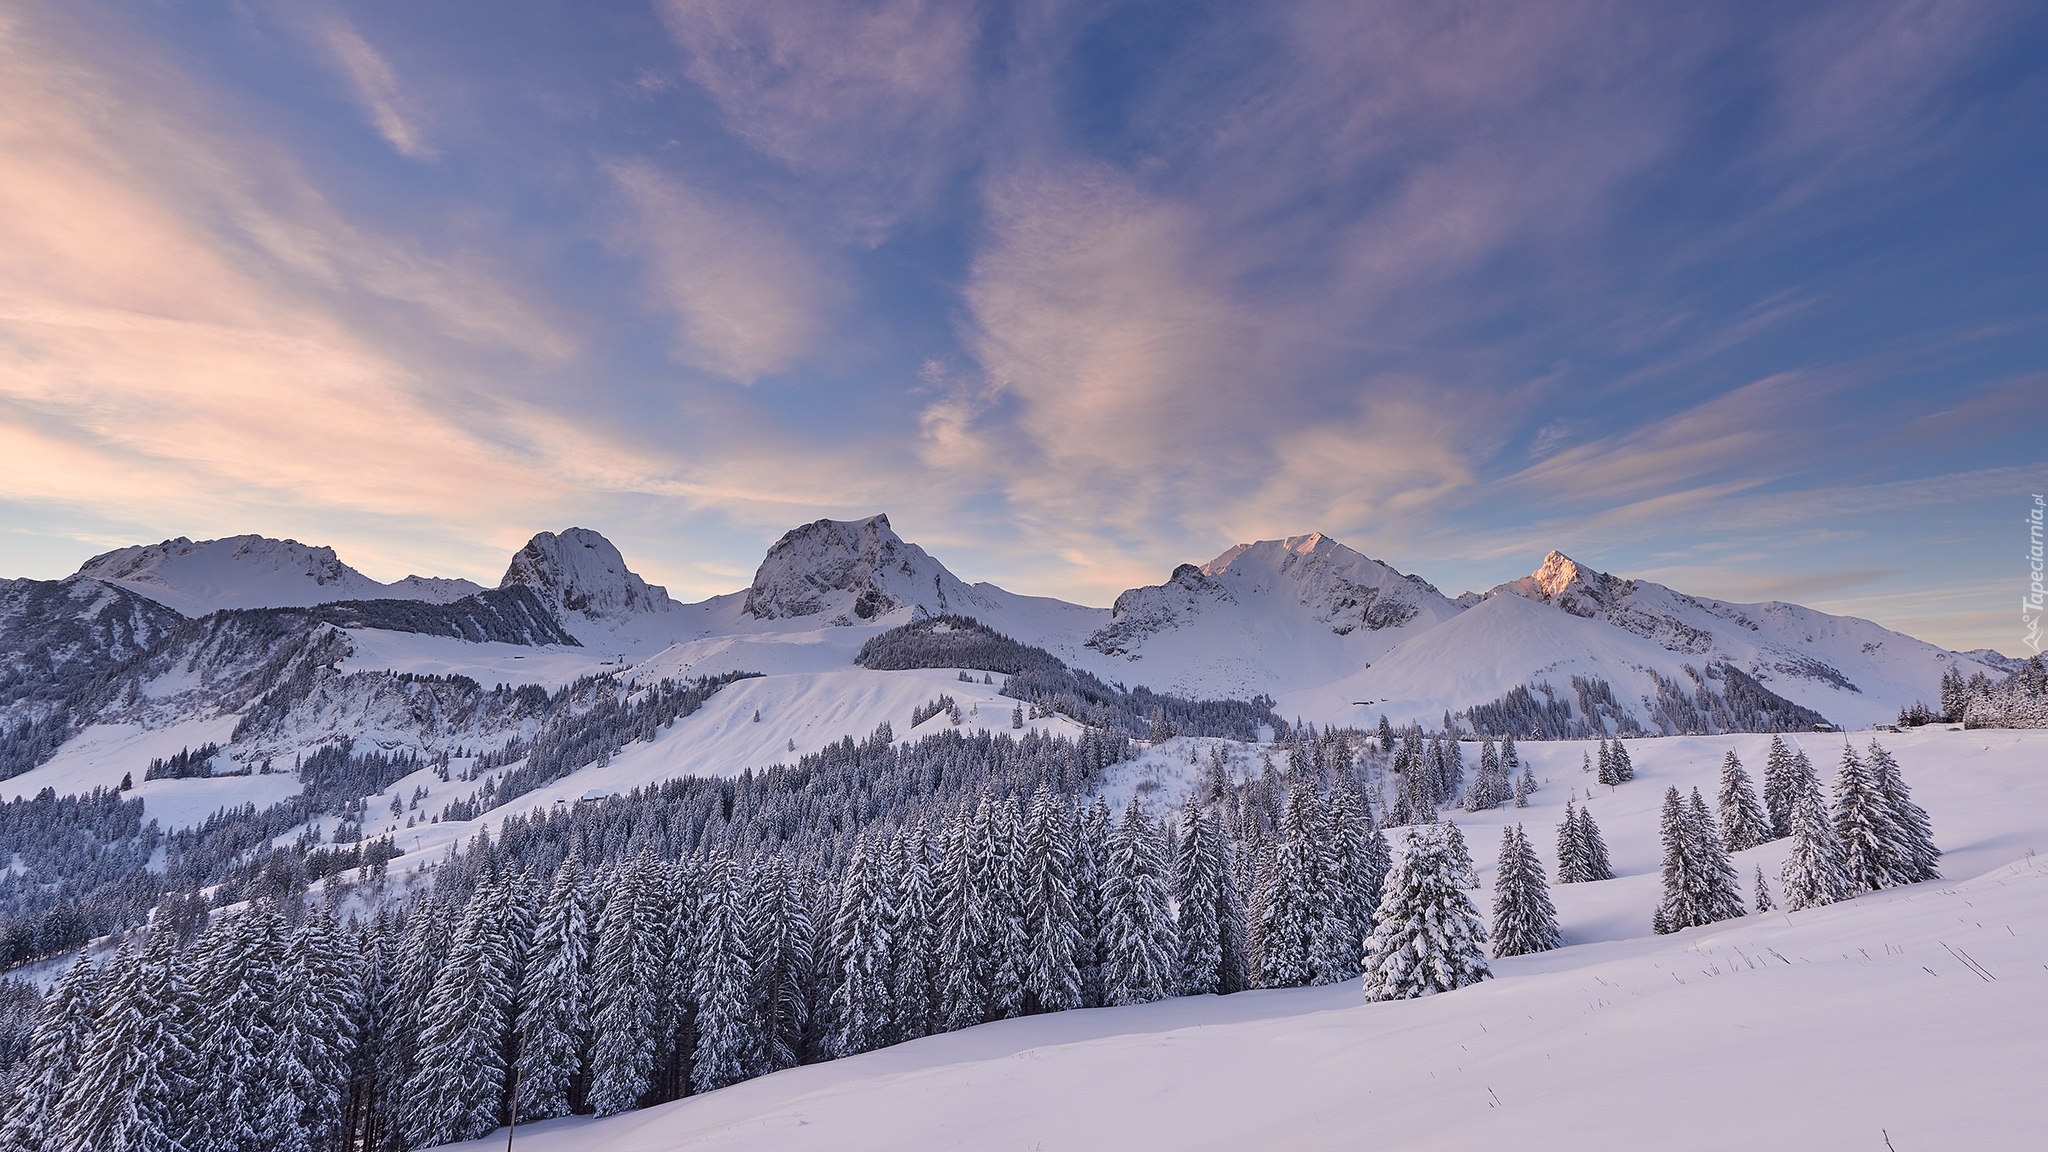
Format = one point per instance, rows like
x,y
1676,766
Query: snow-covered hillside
x,y
1906,1017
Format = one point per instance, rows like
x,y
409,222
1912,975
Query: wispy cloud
x,y
749,299
376,88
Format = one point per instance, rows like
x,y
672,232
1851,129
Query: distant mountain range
x,y
181,632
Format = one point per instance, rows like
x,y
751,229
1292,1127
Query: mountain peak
x,y
198,577
1565,583
856,567
578,570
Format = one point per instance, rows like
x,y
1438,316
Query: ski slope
x,y
1772,1031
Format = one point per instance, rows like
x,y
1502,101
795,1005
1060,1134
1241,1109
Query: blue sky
x,y
1748,299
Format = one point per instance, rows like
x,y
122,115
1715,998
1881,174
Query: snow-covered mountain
x,y
197,577
1265,617
845,571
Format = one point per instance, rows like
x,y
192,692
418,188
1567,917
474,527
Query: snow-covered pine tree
x,y
1199,880
1510,759
913,966
862,1016
967,911
132,1089
624,994
1008,939
1461,856
1812,874
1349,895
1291,904
1763,892
1781,787
460,1087
1699,881
1597,866
1427,937
1606,761
1743,821
1091,862
1571,848
783,945
727,1028
1052,978
554,1017
323,987
1922,860
58,1049
236,1031
1874,849
1524,919
1525,786
1139,948
1624,768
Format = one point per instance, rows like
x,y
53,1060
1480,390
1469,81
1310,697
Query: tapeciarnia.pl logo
x,y
2036,600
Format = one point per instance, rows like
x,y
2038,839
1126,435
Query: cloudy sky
x,y
1748,299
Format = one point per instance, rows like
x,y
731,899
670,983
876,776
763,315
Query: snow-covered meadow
x,y
1909,1015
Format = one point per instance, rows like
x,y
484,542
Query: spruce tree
x,y
861,1009
58,1048
1292,901
322,986
1699,881
782,943
1199,881
1606,774
554,1018
1624,768
1571,848
1812,874
1524,919
1763,892
1427,936
1597,866
727,1027
913,966
1350,892
1743,821
1875,852
969,910
1006,877
1091,865
624,971
132,1091
1781,787
236,1032
1921,859
1052,978
463,1074
1139,948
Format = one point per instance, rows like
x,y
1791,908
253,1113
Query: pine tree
x,y
1875,853
1525,786
782,943
1699,881
554,1019
967,911
1781,787
1743,822
627,964
914,972
1291,902
131,1093
1350,869
1199,881
236,1033
322,986
1606,774
1004,882
58,1049
1597,865
1052,978
1428,937
463,1073
1624,768
1571,848
1524,919
1091,866
1763,892
1139,948
1921,861
861,1009
1812,875
727,1027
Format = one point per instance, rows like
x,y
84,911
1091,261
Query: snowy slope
x,y
1777,1031
1854,671
253,572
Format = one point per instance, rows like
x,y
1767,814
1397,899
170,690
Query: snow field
x,y
1910,1015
